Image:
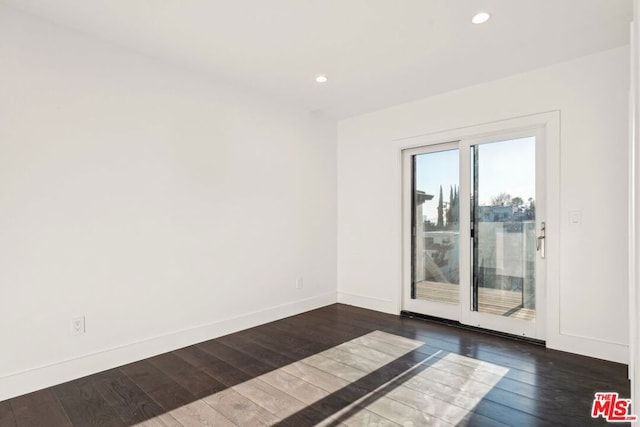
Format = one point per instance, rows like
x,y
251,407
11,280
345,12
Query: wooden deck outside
x,y
494,301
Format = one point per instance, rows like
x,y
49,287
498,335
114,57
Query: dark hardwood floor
x,y
338,365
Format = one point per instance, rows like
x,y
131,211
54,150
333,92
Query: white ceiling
x,y
377,53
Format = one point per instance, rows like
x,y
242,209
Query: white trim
x,y
45,376
371,303
632,215
589,347
398,224
481,130
634,210
599,340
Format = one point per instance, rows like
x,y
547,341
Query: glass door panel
x,y
504,228
436,225
431,248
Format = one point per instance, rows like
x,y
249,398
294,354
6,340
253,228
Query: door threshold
x,y
456,324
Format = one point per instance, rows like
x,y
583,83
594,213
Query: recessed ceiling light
x,y
480,18
321,79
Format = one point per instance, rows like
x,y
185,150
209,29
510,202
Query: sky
x,y
505,166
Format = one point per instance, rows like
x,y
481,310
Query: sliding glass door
x,y
475,248
435,230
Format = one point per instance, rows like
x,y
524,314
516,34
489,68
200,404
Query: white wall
x,y
163,206
587,302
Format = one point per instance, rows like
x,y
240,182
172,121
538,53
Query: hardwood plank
x,y
220,370
244,344
403,414
510,416
451,408
279,403
467,372
441,383
164,420
6,415
316,330
126,398
329,422
365,352
162,389
250,365
333,367
240,410
270,398
306,392
195,380
476,420
366,418
84,405
382,341
352,360
538,408
38,409
199,413
455,394
357,416
295,346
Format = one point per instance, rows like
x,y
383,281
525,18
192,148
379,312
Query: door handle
x,y
540,239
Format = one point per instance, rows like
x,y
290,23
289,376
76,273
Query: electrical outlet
x,y
575,217
299,283
77,326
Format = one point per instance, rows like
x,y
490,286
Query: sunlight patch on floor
x,y
437,389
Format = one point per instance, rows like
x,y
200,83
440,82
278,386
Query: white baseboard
x,y
362,301
589,347
67,370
